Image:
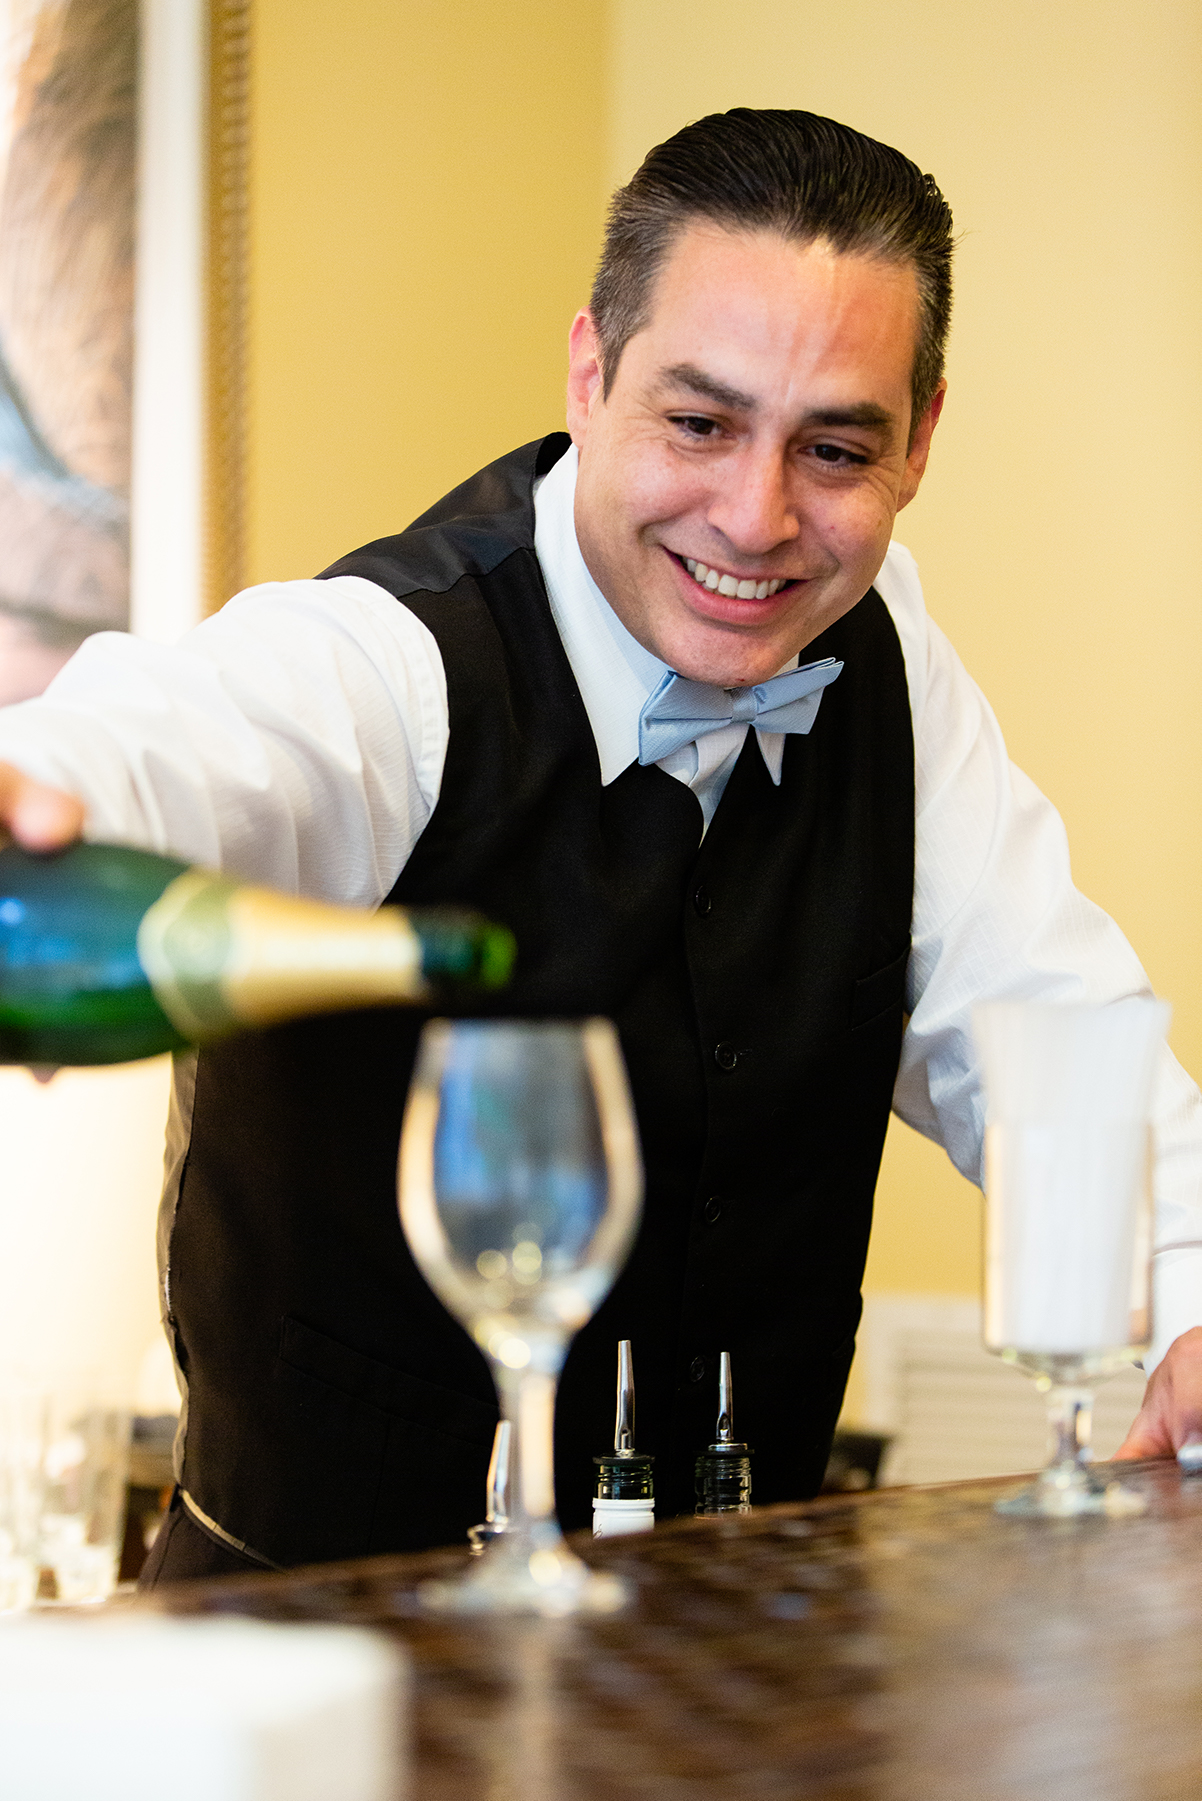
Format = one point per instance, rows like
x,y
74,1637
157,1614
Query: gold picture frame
x,y
228,164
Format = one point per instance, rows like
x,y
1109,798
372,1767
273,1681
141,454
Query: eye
x,y
695,425
837,454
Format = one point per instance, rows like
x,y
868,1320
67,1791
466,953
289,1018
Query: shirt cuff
x,y
1176,1298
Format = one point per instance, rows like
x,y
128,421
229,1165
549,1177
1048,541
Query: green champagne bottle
x,y
109,953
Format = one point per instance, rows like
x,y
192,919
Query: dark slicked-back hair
x,y
799,175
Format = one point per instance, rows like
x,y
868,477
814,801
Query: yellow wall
x,y
1057,532
83,1164
426,194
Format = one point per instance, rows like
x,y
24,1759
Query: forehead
x,y
768,303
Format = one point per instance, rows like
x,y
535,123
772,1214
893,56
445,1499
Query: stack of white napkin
x,y
136,1708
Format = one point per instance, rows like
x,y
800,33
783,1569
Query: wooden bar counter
x,y
909,1643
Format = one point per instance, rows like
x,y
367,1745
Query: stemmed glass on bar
x,y
1068,1233
520,1186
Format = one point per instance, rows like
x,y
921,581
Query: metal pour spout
x,y
726,1404
624,1424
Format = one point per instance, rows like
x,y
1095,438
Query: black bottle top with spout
x,y
723,1470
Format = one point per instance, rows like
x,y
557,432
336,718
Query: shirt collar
x,y
614,673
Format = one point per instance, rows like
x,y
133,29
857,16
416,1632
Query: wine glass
x,y
520,1188
1068,1217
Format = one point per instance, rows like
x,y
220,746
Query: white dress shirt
x,y
298,738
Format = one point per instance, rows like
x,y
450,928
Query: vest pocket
x,y
380,1460
880,992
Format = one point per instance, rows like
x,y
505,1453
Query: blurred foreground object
x,y
64,1458
207,1710
85,1464
496,1490
520,1185
1068,1235
108,953
1189,1457
151,1471
855,1461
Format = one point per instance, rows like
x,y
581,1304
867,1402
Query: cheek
x,y
854,527
649,486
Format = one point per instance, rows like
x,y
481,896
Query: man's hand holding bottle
x,y
39,817
109,953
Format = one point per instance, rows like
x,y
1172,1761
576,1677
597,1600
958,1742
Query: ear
x,y
920,449
584,375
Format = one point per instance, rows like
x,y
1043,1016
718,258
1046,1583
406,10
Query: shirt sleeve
x,y
996,916
296,738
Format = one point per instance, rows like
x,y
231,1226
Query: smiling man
x,y
744,455
664,697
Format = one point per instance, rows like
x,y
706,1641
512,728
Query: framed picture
x,y
122,307
123,135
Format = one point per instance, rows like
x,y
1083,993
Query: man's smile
x,y
738,587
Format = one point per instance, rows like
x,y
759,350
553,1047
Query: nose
x,y
752,506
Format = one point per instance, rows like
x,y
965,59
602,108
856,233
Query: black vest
x,y
756,978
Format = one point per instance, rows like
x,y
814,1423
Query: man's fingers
x,y
1151,1433
38,817
1145,1441
1172,1408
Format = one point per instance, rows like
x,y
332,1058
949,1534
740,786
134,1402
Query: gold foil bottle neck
x,y
220,955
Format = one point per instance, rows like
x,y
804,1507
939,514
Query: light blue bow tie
x,y
681,711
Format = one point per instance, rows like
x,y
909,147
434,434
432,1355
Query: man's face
x,y
757,435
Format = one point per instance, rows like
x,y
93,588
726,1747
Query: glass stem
x,y
1070,1422
528,1403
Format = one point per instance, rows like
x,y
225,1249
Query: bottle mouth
x,y
460,946
625,1476
498,953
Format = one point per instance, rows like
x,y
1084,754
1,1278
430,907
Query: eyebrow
x,y
865,413
688,375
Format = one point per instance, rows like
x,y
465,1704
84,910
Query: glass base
x,y
1067,1491
521,1573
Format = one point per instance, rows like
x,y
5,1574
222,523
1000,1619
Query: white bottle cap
x,y
613,1518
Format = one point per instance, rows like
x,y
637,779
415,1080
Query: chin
x,y
725,667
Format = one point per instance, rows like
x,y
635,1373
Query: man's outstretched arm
x,y
296,738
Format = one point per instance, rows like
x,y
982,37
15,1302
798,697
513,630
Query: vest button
x,y
712,1211
702,901
697,1370
725,1056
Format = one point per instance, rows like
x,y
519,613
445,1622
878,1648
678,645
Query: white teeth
x,y
730,584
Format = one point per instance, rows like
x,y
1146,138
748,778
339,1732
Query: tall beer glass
x,y
1068,1234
